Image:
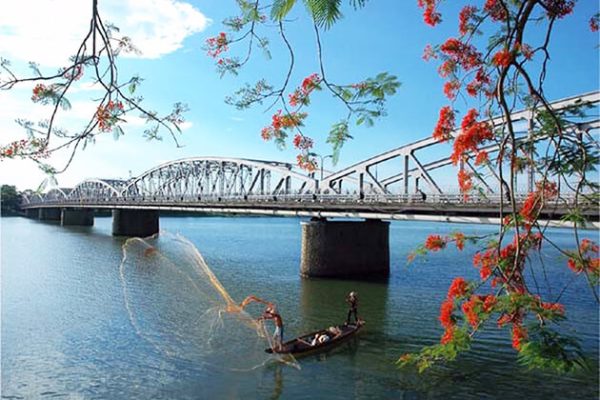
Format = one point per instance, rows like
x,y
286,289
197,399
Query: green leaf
x,y
281,8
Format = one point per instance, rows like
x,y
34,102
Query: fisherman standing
x,y
352,300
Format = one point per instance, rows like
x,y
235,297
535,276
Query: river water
x,y
66,332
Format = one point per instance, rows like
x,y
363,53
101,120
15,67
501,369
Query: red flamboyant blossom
x,y
472,134
465,182
519,334
445,125
486,262
481,158
435,243
446,310
217,45
534,202
464,19
40,91
559,8
306,162
458,288
429,53
302,142
108,116
448,336
463,54
430,15
469,309
496,10
502,58
450,88
300,95
459,239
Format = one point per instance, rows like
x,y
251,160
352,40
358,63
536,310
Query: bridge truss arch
x,y
97,189
215,177
414,170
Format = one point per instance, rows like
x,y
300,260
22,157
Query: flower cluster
x,y
300,96
535,200
496,10
458,289
216,45
464,19
471,136
73,73
280,123
302,142
108,116
445,125
503,58
430,15
34,148
559,8
588,262
458,53
41,92
306,162
477,305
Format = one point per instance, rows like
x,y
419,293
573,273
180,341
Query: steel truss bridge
x,y
386,186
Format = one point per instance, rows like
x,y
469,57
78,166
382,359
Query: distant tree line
x,y
9,199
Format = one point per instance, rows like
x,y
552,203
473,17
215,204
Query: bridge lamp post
x,y
322,161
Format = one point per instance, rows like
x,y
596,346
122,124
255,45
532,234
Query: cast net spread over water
x,y
178,305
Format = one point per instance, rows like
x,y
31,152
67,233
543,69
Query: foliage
x,y
96,61
365,100
9,199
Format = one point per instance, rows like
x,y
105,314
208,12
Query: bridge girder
x,y
361,174
219,177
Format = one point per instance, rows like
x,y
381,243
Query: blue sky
x,y
386,35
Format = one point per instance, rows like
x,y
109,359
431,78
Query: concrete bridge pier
x,y
49,214
345,249
141,223
77,217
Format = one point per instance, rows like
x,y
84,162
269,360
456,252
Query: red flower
x,y
445,125
495,9
464,18
503,58
459,238
448,336
435,243
450,89
458,288
446,313
482,157
465,183
430,15
468,308
519,334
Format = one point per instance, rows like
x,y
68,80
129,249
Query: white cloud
x,y
50,31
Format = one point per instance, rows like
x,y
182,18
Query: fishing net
x,y
178,305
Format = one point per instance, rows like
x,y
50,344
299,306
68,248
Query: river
x,y
66,332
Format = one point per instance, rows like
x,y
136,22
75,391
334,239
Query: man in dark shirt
x,y
352,300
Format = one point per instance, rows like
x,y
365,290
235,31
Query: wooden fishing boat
x,y
313,342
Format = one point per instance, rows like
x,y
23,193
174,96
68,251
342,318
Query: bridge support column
x,y
77,217
49,214
140,223
345,249
32,213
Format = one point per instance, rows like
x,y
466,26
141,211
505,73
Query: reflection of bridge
x,y
387,186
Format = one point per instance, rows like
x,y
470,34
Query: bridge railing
x,y
248,200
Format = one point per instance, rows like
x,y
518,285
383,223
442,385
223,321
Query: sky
x,y
386,35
